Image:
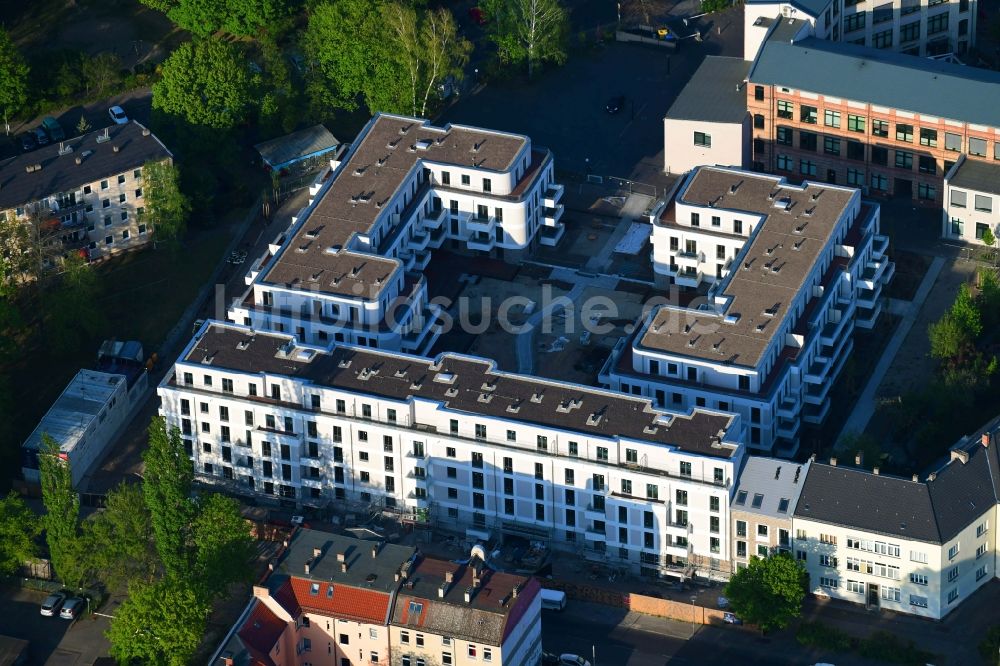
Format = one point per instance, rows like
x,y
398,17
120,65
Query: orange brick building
x,y
888,123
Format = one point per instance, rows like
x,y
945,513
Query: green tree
x,y
949,339
206,83
120,539
83,126
205,17
159,623
62,514
989,647
339,42
13,79
223,545
166,489
167,208
100,72
73,319
18,528
768,592
966,312
528,32
988,239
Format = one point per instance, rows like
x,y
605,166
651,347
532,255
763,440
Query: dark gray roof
x,y
977,176
294,146
882,77
715,93
464,383
61,173
483,619
358,557
775,480
873,503
935,510
812,7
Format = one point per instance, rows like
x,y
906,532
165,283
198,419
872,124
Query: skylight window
x,y
314,589
416,608
741,497
757,500
783,505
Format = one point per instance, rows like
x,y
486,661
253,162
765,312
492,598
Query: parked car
x,y
615,104
52,604
41,138
118,115
573,660
549,659
28,142
730,618
53,128
477,16
71,608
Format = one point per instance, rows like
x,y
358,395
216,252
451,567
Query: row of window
x,y
981,202
466,180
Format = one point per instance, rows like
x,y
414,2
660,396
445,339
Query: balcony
x,y
421,260
550,236
481,224
435,219
551,216
833,329
481,241
872,274
817,372
787,428
867,317
691,259
594,535
418,241
788,409
552,196
593,514
816,393
685,279
417,501
867,299
816,414
437,237
879,246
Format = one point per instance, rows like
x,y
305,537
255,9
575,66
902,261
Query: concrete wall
x,y
729,144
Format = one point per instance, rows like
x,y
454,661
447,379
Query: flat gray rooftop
x,y
782,253
715,93
73,411
977,176
465,384
882,77
387,151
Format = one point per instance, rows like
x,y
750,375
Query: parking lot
x,y
563,109
53,641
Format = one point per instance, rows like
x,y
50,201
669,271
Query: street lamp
x,y
586,161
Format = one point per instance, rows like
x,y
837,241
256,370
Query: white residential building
x,y
913,27
789,269
350,267
87,192
971,201
910,546
455,440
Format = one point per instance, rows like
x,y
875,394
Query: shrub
x,y
989,648
819,635
887,647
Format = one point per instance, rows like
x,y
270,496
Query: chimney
x,y
449,577
343,567
468,595
317,552
959,454
308,567
513,593
396,577
916,478
145,132
79,160
875,470
932,476
374,551
115,148
443,590
859,458
227,659
260,592
833,462
341,557
986,439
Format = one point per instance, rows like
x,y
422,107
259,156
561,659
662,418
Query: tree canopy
x,y
166,490
206,83
528,32
223,544
13,77
70,305
958,338
166,207
18,528
119,539
62,515
205,17
158,623
768,592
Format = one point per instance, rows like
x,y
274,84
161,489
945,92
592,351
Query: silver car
x,y
71,608
52,604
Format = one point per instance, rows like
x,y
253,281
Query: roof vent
x,y
101,138
932,476
816,195
360,171
451,392
875,471
207,359
382,161
735,187
415,386
403,129
773,310
595,418
915,478
798,244
489,386
760,327
399,374
798,470
476,146
717,346
344,363
423,144
650,429
833,462
959,454
537,396
392,144
514,407
342,557
64,149
32,168
445,377
145,131
485,397
808,212
468,595
115,148
242,345
771,195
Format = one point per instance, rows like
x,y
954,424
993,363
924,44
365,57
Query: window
x,y
855,177
953,593
953,142
904,132
855,123
982,528
928,137
487,185
784,136
927,164
889,593
953,551
542,443
807,167
829,583
880,182
918,557
926,192
854,22
685,468
918,579
695,220
758,93
466,179
716,221
602,453
741,549
808,114
472,652
937,23
918,601
958,199
831,118
785,109
713,524
880,128
831,145
855,586
757,500
784,163
741,528
828,561
904,159
953,574
981,230
682,497
882,40
807,141
981,573
741,497
758,121
702,139
977,147
762,530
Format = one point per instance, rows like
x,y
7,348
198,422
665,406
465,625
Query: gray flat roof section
x,y
76,407
715,93
774,480
812,7
876,76
286,149
378,164
783,250
465,384
977,176
61,173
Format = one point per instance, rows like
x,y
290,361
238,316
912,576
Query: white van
x,y
553,599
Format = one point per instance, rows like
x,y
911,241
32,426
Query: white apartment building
x,y
87,192
454,441
708,123
911,546
789,270
913,27
971,201
762,508
350,267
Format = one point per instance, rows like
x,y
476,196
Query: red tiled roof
x,y
260,632
349,602
286,599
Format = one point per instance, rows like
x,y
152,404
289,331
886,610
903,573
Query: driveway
x,y
53,641
563,109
